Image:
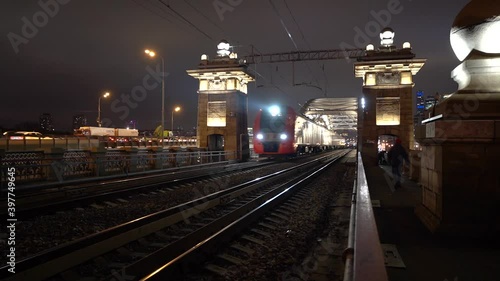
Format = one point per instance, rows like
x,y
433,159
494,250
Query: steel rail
x,y
64,257
105,191
219,232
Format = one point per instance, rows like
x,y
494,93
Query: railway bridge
x,y
451,186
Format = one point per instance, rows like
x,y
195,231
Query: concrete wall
x,y
461,177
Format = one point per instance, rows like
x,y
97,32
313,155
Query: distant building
x,y
46,122
420,108
79,120
420,102
430,102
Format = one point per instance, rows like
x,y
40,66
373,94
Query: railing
x,y
363,257
86,143
34,167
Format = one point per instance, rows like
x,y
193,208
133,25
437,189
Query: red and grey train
x,y
279,131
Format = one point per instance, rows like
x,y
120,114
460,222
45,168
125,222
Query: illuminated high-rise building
x,y
79,120
46,122
420,102
420,108
429,102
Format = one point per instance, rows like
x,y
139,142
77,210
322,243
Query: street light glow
x,y
105,95
176,109
150,53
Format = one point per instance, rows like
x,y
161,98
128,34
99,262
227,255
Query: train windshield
x,y
269,123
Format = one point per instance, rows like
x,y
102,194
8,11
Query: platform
x,y
420,255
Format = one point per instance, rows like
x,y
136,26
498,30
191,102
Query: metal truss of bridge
x,y
304,55
338,114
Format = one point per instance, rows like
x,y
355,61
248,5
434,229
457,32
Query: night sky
x,y
85,48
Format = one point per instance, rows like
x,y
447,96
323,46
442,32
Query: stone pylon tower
x,y
223,103
461,139
387,103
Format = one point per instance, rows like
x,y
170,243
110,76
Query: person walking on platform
x,y
397,154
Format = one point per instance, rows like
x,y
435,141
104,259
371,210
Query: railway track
x,y
227,251
80,218
134,248
303,238
50,200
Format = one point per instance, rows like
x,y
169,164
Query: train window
x,y
272,123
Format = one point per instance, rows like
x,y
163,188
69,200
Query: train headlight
x,y
260,136
274,110
283,136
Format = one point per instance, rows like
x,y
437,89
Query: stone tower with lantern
x,y
223,103
387,102
461,138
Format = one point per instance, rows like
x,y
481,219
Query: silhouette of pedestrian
x,y
397,154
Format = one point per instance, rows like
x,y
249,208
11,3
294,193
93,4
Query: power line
x,y
151,10
160,14
207,18
228,37
166,11
265,80
186,20
297,24
283,24
293,41
203,15
307,42
224,34
258,51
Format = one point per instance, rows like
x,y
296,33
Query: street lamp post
x,y
176,109
153,54
105,95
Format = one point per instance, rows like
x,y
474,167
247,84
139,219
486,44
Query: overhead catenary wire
x,y
167,11
265,80
293,42
141,3
307,43
186,20
204,16
224,33
258,51
165,6
283,24
161,12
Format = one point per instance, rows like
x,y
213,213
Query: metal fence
x,y
363,257
24,143
37,166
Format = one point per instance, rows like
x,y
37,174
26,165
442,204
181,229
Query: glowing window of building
x,y
203,85
370,79
216,114
406,78
388,111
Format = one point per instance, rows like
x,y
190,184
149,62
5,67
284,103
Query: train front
x,y
274,132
